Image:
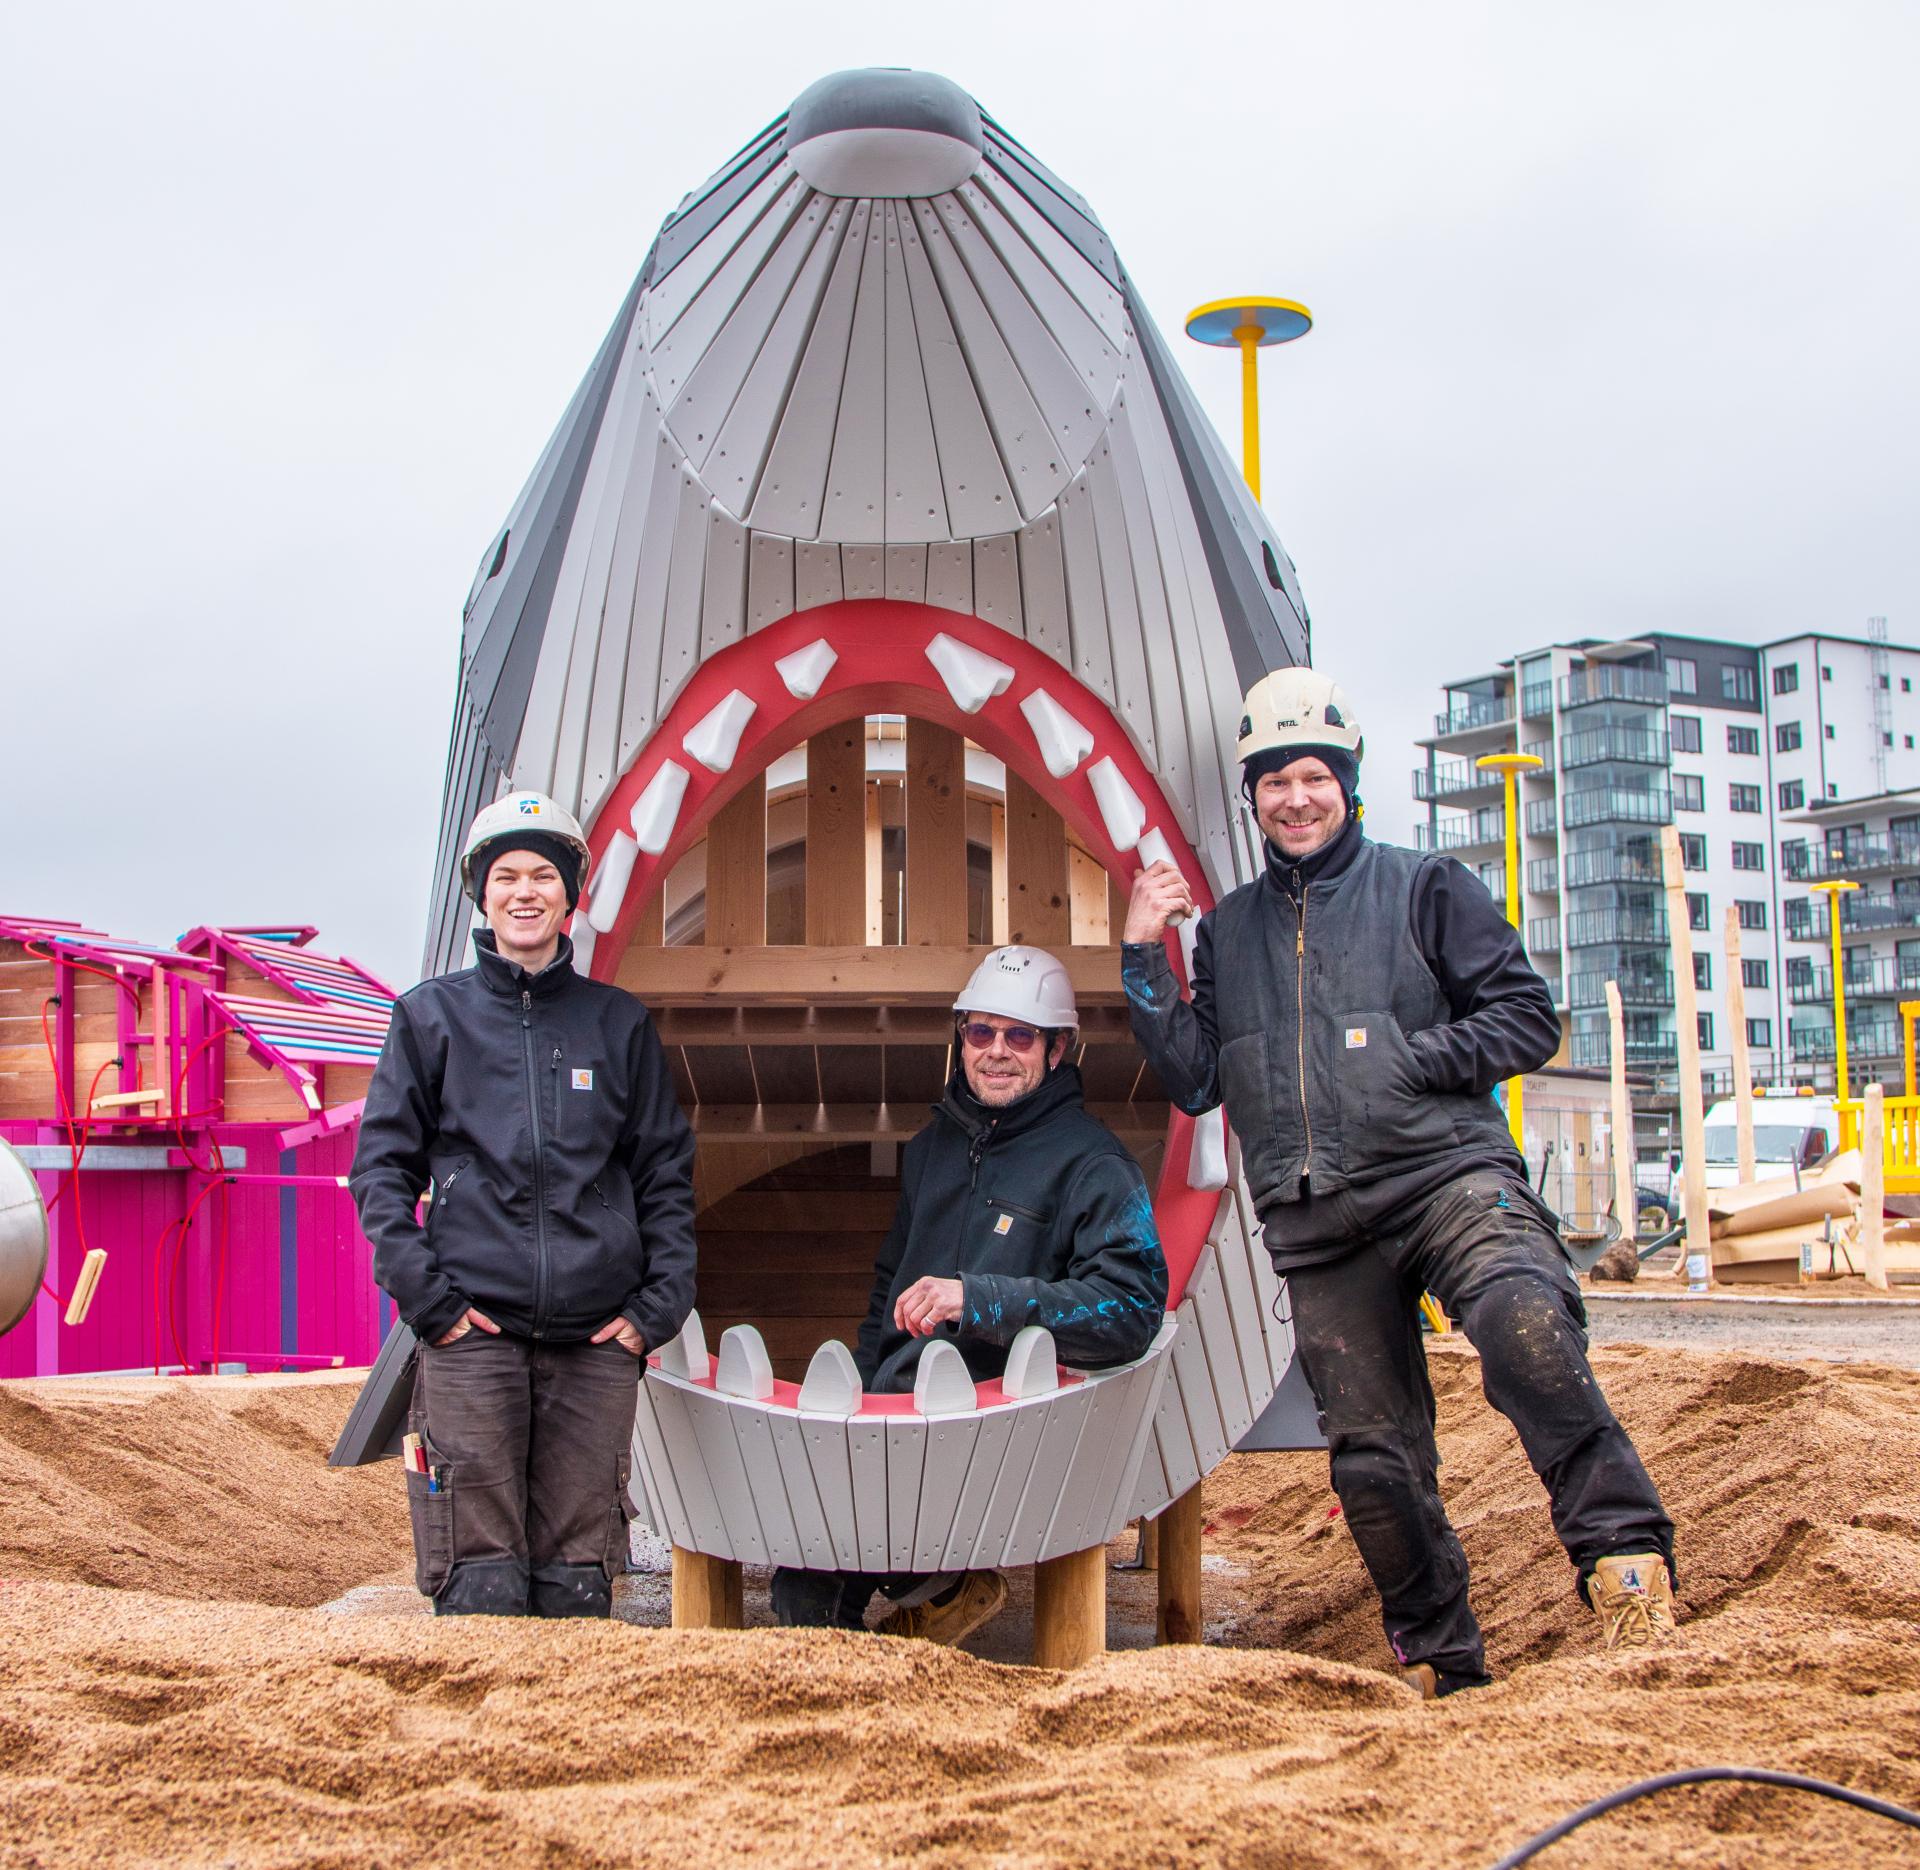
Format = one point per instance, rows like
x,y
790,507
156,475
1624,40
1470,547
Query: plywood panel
x,y
837,835
1037,900
737,869
936,835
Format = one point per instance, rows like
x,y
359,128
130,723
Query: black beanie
x,y
1341,762
563,857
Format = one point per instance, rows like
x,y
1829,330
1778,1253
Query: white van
x,y
1790,1132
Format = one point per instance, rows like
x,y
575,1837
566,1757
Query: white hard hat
x,y
522,812
1021,983
1296,708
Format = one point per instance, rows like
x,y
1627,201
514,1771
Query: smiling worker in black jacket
x,y
1353,1008
558,1249
1017,1207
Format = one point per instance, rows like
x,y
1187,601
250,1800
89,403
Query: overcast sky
x,y
1616,332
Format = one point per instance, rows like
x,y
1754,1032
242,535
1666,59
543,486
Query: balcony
x,y
1543,876
1603,805
1862,911
1536,702
1636,989
1853,859
1468,717
1463,834
1890,977
1454,780
1581,870
1866,1039
1592,928
1542,820
1590,1051
1624,744
1543,933
1613,682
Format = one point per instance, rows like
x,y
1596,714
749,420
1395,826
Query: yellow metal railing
x,y
1900,1142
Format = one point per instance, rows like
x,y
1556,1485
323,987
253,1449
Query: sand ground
x,y
213,1657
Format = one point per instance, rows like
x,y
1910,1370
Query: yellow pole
x,y
1909,1012
1248,338
1832,891
1510,766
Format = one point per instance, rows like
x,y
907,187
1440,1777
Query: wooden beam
x,y
872,1123
837,835
1038,903
737,870
1742,1064
997,905
924,1024
707,1592
1180,1618
1873,1185
1626,1203
936,836
1693,1127
778,976
1070,1609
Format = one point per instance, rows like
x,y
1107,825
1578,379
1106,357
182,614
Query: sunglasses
x,y
978,1034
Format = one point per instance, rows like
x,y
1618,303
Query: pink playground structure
x,y
191,1111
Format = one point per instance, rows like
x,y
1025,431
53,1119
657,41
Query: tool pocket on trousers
x,y
430,1507
614,1559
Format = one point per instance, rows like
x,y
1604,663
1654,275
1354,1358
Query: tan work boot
x,y
1422,1680
981,1597
1633,1598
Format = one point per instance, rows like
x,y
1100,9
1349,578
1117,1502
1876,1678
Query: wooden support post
x,y
1686,1019
650,931
1873,1185
1626,1203
1180,1620
837,836
936,835
1070,1608
161,990
1742,1064
706,1592
997,904
737,869
1149,1544
1038,906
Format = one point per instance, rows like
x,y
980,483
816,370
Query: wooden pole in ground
x,y
1742,1063
706,1592
1070,1608
1626,1204
1179,1619
1873,1186
1693,1116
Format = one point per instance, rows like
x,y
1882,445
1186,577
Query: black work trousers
x,y
1486,1247
529,1444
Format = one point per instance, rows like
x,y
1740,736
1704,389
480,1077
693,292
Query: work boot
x,y
1633,1598
976,1599
1432,1684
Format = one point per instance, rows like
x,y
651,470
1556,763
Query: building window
x,y
1686,732
1705,1027
1826,672
1693,850
1786,737
1689,793
1886,681
1829,730
1697,909
1760,1033
1752,915
1799,973
1793,795
1749,856
1745,799
1909,743
1886,740
1736,682
1683,675
1906,685
1743,740
1753,973
1833,789
1703,972
1786,678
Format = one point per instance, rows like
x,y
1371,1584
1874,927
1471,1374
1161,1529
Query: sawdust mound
x,y
137,1728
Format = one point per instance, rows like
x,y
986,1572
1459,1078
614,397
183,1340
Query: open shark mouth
x,y
731,1462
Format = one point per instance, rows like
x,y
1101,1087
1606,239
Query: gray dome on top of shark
x,y
943,391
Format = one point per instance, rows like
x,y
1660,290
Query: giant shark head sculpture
x,y
882,426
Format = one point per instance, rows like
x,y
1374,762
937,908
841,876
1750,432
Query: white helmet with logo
x,y
523,812
1026,984
1296,708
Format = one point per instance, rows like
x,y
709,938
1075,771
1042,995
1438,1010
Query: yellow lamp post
x,y
1251,324
1909,1013
1510,766
1832,892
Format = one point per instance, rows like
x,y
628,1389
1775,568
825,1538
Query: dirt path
x,y
1839,1330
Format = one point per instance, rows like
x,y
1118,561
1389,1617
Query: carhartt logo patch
x,y
583,1081
1356,1038
1003,1224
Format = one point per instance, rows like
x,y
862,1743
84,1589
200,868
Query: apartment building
x,y
1732,744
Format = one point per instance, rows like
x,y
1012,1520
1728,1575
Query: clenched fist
x,y
1160,895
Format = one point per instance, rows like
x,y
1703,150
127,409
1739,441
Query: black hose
x,y
1693,1776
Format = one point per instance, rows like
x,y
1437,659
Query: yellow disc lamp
x,y
1250,324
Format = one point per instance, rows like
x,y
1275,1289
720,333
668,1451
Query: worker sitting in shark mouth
x,y
1017,1207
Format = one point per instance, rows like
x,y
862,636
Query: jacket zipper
x,y
1300,1016
539,1168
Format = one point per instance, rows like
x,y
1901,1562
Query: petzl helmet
x,y
1022,983
1296,708
519,813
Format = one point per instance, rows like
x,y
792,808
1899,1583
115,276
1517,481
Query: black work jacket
x,y
1044,1218
541,1108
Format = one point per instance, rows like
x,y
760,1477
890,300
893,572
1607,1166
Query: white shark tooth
x,y
686,1357
972,677
806,669
1207,1164
1032,1368
832,1385
1063,741
610,886
942,1384
714,739
583,935
1189,933
657,810
1154,849
1120,809
744,1367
